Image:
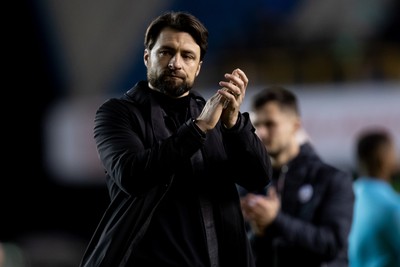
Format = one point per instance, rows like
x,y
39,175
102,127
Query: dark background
x,y
261,35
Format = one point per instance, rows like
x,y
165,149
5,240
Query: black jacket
x,y
316,212
142,156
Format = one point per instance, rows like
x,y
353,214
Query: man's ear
x,y
296,123
199,68
146,55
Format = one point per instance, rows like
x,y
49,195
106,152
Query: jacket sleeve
x,y
247,154
131,156
328,234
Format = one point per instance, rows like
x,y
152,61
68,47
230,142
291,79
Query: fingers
x,y
233,89
252,204
211,113
236,82
272,193
239,77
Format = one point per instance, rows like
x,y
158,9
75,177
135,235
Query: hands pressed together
x,y
225,104
260,210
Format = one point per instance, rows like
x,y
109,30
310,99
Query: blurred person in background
x,y
11,255
374,239
303,218
172,160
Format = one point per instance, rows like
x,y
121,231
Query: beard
x,y
277,150
274,150
167,84
273,154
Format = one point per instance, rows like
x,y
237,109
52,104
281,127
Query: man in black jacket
x,y
305,216
173,160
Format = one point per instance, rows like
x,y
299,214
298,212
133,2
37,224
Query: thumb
x,y
272,192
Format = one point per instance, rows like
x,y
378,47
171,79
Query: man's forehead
x,y
172,35
272,113
261,116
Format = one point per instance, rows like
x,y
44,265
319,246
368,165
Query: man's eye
x,y
188,56
164,53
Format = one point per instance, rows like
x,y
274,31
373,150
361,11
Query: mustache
x,y
173,73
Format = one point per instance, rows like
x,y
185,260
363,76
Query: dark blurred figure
x,y
305,217
375,234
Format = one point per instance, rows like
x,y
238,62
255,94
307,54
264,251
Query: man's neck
x,y
381,175
283,158
165,93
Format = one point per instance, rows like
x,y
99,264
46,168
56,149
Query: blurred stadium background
x,y
342,58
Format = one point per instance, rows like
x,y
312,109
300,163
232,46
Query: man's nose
x,y
175,62
262,132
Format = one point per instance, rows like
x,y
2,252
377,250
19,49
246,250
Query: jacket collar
x,y
140,95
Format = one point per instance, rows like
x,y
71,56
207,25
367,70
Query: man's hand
x,y
233,92
260,211
211,113
225,104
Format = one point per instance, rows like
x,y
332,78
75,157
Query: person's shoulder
x,y
135,95
129,100
112,102
321,169
333,171
319,164
112,107
334,176
138,94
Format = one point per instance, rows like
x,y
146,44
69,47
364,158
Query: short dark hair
x,y
181,21
285,98
367,147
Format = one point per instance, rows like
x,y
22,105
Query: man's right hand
x,y
261,210
211,113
